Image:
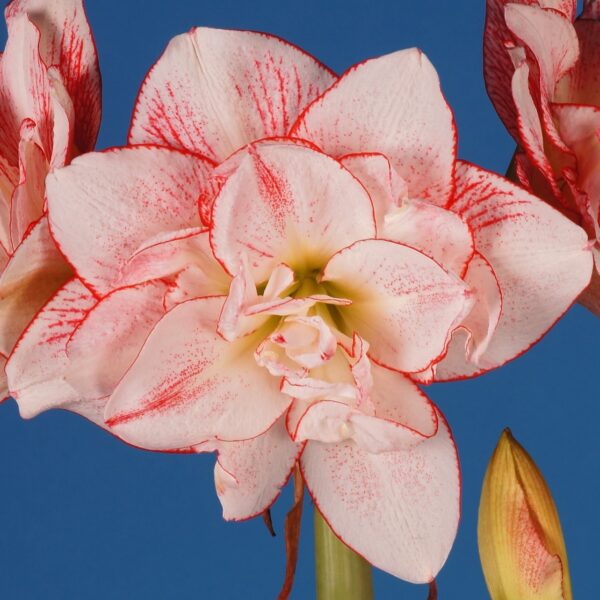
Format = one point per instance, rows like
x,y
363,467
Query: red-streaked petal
x,y
66,42
33,274
403,303
188,385
105,205
63,120
37,366
498,65
288,204
24,89
110,337
392,105
408,501
249,475
541,260
436,232
213,91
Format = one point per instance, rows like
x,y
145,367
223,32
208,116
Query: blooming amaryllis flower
x,y
49,112
271,268
542,70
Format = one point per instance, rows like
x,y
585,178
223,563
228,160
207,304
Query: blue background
x,y
83,516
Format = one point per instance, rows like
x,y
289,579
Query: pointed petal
x,y
399,510
404,304
105,205
188,385
34,273
249,475
542,261
391,105
66,42
110,337
37,366
213,91
288,204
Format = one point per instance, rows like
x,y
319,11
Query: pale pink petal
x,y
35,271
188,385
27,203
110,337
580,128
498,65
66,42
392,105
541,260
36,368
213,91
249,475
9,179
24,89
472,339
408,501
404,304
288,204
436,232
529,125
549,36
387,189
105,205
63,112
166,254
3,382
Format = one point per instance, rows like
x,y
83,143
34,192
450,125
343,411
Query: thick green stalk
x,y
341,573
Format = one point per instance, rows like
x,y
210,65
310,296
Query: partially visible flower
x,y
542,69
49,112
521,544
271,267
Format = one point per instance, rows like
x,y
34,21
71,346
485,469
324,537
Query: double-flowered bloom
x,y
273,264
49,112
542,69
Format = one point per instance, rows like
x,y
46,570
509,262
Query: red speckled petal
x,y
403,303
213,91
105,205
33,274
541,260
288,204
188,385
408,501
110,337
391,105
249,475
66,43
38,364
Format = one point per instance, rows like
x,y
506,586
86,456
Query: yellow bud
x,y
521,544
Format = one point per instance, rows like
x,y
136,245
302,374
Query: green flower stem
x,y
341,573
